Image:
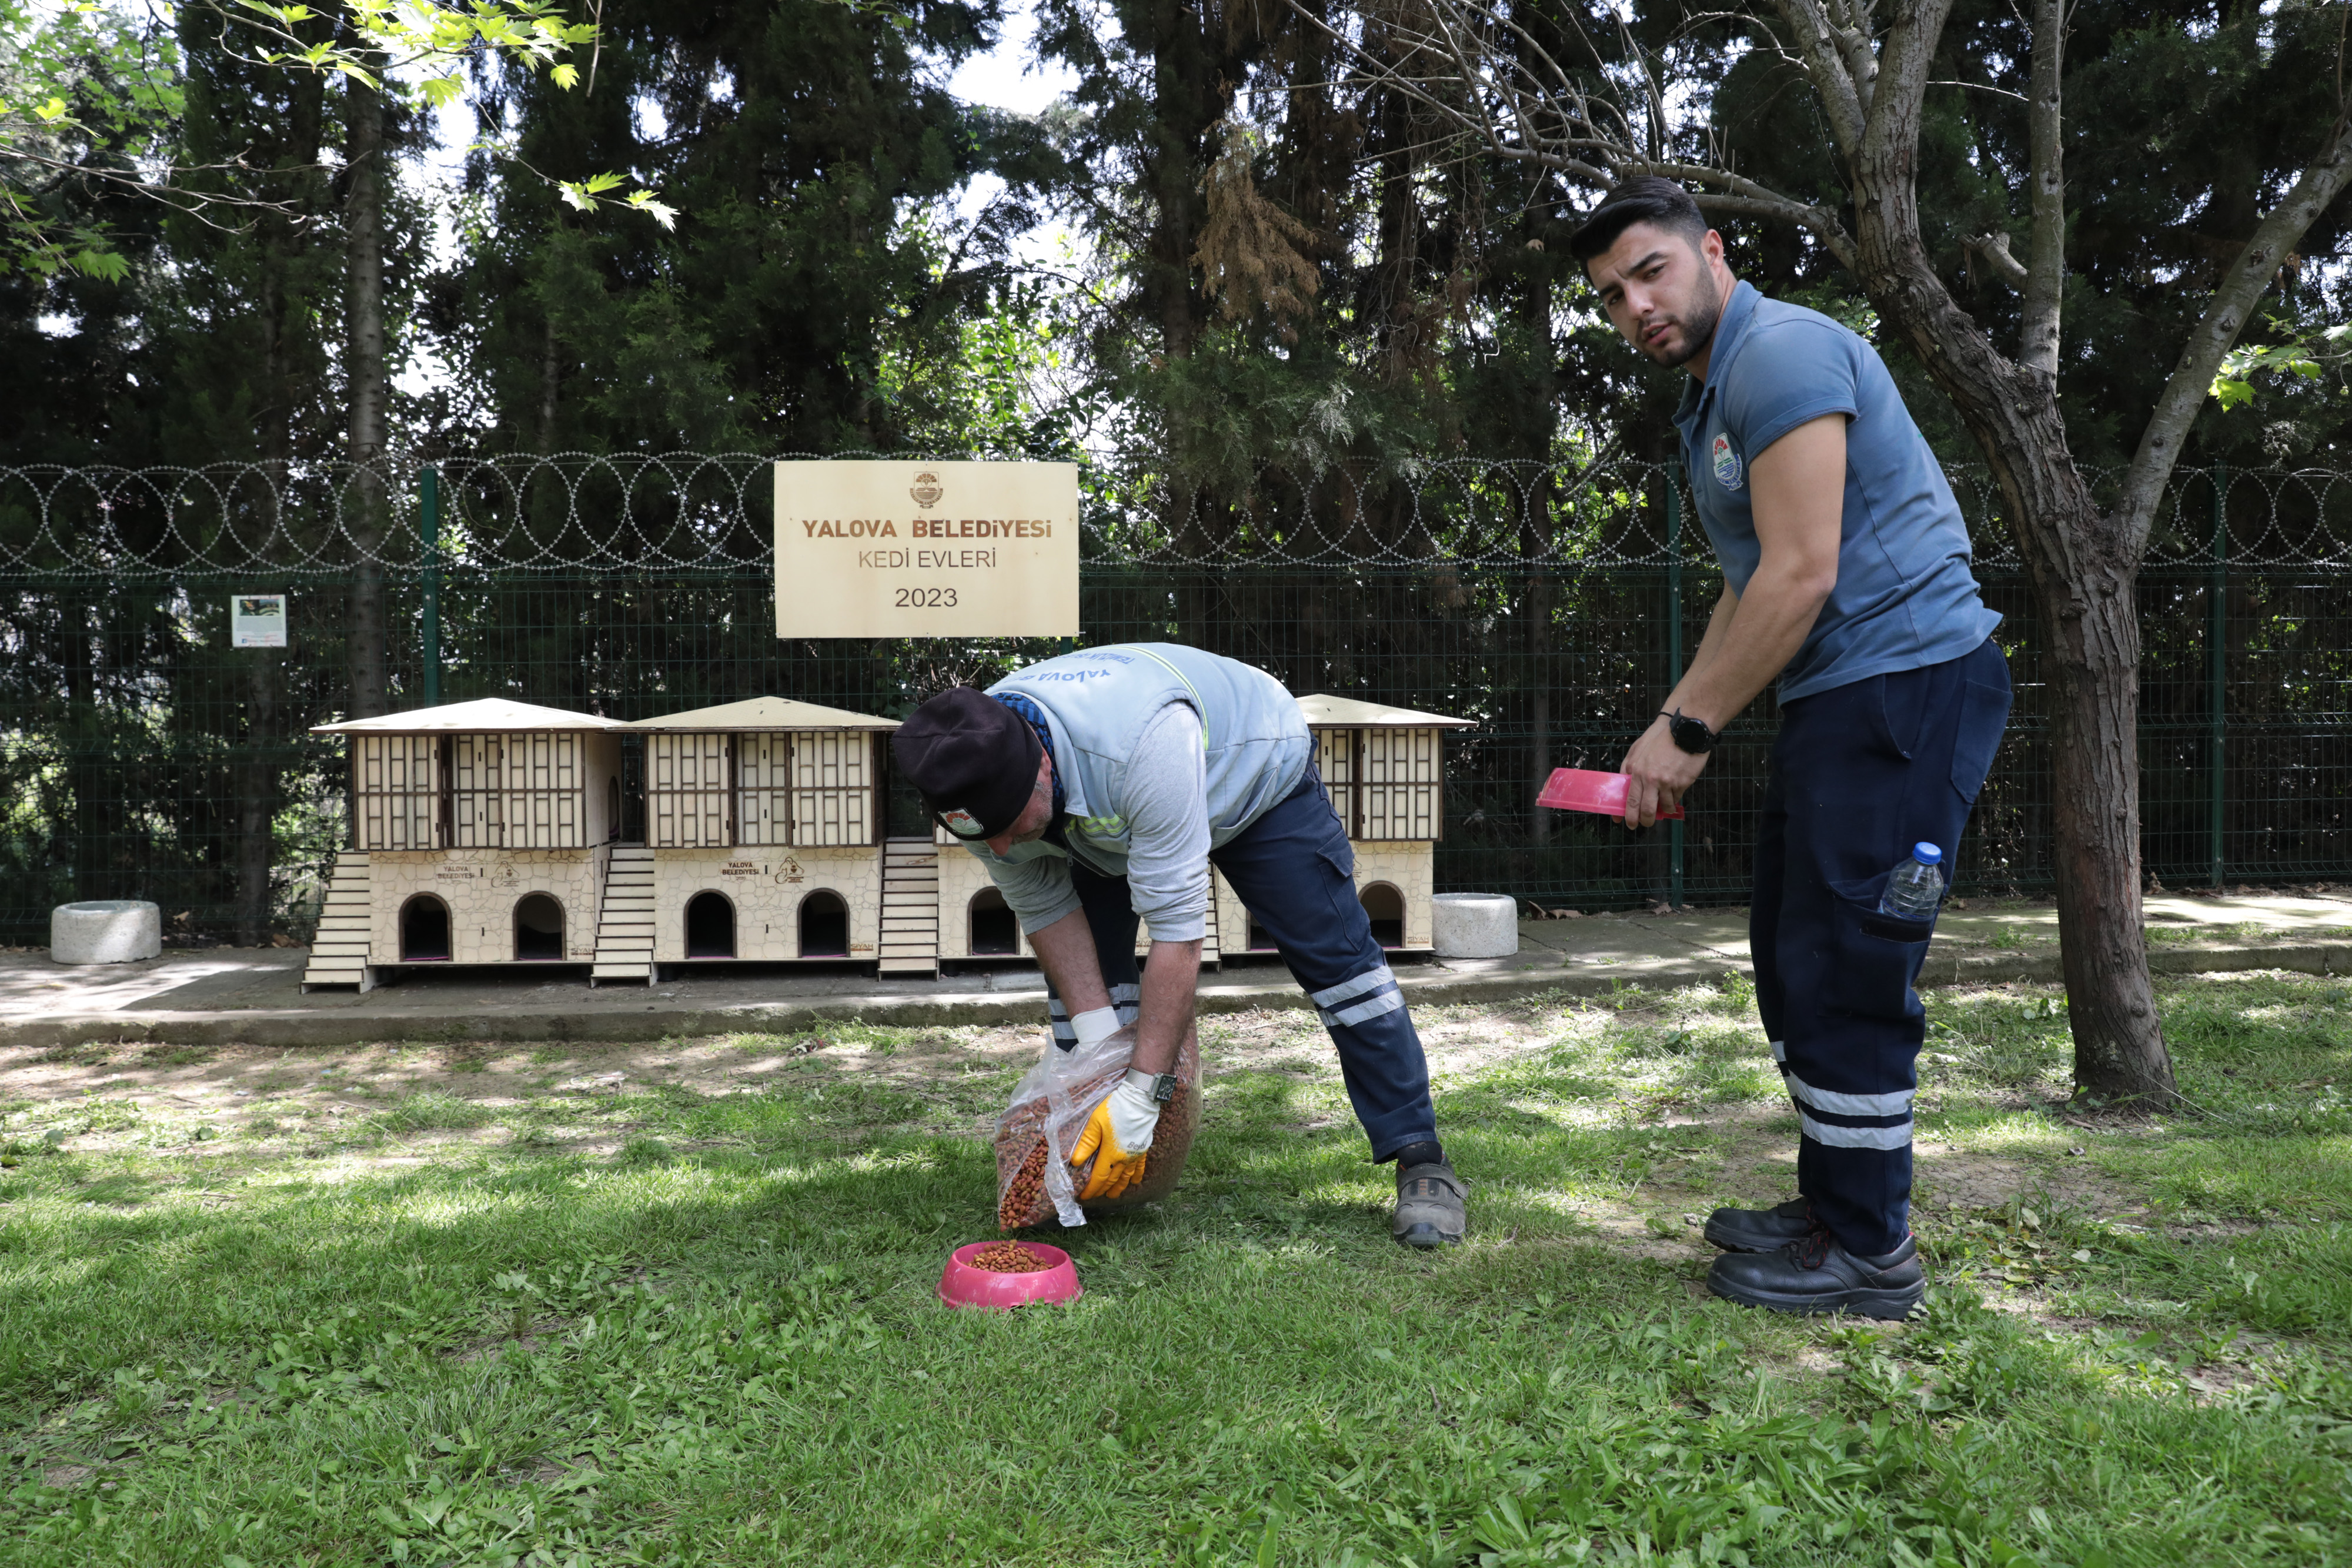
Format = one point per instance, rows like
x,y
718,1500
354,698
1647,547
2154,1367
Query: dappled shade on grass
x,y
710,1336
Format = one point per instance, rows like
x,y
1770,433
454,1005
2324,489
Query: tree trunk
x,y
2084,570
551,371
1187,102
2085,582
257,800
363,358
2084,578
88,769
2084,574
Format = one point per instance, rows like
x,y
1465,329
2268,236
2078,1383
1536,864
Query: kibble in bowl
x,y
1009,1257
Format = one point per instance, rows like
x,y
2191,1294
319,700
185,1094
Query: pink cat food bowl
x,y
964,1284
1587,789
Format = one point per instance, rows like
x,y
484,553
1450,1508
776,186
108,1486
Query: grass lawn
x,y
672,1304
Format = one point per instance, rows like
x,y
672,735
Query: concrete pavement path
x,y
222,995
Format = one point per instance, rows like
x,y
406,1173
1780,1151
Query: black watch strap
x,y
1163,1088
1691,733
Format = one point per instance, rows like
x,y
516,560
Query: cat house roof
x,y
1324,710
483,716
762,713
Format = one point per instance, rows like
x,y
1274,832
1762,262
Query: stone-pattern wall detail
x,y
481,888
1409,867
963,874
766,886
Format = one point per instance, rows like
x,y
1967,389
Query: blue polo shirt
x,y
1906,596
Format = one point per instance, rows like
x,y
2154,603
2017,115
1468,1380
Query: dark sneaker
x,y
1430,1211
1818,1275
1760,1229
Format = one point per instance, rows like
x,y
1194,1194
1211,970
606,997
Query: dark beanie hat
x,y
973,760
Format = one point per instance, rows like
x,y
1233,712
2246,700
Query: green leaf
x,y
109,265
565,76
661,212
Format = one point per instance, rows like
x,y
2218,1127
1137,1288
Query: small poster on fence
x,y
258,619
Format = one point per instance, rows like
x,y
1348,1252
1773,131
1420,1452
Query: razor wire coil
x,y
690,511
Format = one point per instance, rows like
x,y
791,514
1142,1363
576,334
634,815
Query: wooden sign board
x,y
927,550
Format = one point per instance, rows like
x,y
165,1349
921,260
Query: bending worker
x,y
1846,576
1100,787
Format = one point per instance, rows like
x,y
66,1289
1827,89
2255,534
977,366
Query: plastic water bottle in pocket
x,y
1917,885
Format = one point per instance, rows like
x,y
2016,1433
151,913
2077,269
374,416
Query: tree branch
x,y
1500,85
1850,31
2218,329
1891,134
1820,221
1993,249
2045,268
1817,44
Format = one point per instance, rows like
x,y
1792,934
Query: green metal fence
x,y
141,755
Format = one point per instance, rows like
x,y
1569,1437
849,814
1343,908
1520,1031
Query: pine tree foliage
x,y
1250,251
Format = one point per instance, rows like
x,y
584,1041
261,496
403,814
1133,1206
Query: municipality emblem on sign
x,y
1726,462
927,490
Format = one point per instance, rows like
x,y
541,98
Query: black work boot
x,y
1816,1274
1430,1207
1760,1229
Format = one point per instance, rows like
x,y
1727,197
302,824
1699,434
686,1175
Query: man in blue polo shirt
x,y
1846,577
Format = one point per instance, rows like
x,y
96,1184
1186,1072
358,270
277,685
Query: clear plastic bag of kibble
x,y
1056,1098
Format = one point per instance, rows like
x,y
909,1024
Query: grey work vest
x,y
1097,703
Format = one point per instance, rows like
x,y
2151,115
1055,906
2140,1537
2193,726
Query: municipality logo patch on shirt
x,y
1726,462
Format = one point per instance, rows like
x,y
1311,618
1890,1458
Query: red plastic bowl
x,y
964,1286
1587,789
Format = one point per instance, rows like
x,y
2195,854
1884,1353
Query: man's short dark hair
x,y
1645,199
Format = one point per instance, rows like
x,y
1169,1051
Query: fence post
x,y
1674,654
429,520
2217,656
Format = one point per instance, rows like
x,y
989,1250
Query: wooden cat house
x,y
764,841
481,832
1384,770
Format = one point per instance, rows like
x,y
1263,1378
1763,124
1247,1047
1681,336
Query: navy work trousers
x,y
1859,774
1295,870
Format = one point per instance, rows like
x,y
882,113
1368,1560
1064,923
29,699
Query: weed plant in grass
x,y
659,1326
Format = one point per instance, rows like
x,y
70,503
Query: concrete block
x,y
106,931
1475,925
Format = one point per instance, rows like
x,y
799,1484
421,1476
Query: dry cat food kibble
x,y
1009,1257
1026,1195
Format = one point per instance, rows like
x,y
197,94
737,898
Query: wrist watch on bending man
x,y
1161,1087
1691,733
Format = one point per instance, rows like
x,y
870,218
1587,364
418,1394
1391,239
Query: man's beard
x,y
1699,322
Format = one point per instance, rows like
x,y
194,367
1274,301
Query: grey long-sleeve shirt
x,y
1167,869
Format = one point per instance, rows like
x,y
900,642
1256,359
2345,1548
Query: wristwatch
x,y
1161,1087
1691,733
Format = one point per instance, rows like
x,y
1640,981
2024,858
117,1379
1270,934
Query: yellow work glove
x,y
1118,1134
